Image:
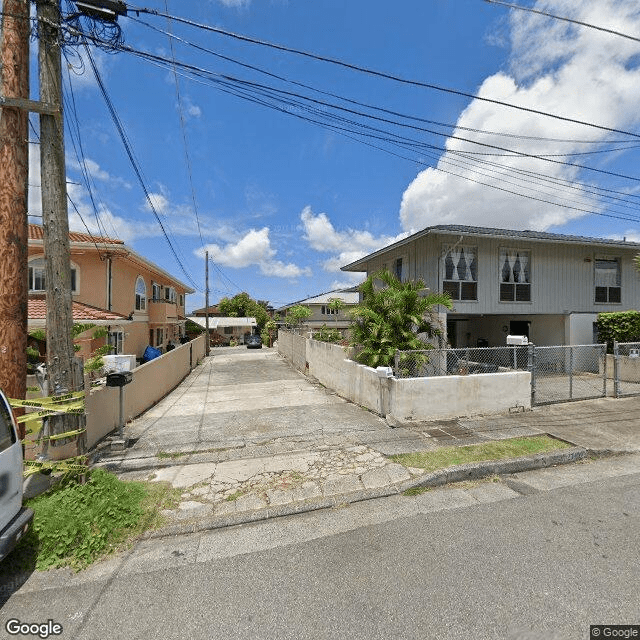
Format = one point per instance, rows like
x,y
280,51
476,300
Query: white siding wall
x,y
562,275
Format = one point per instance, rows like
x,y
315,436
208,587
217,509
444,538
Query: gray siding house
x,y
549,287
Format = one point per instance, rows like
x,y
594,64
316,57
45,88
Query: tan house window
x,y
460,272
515,275
141,294
37,277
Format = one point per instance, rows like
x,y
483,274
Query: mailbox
x,y
119,379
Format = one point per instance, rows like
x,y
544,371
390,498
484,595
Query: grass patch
x,y
76,524
235,495
495,450
416,491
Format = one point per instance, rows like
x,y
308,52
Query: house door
x,y
451,333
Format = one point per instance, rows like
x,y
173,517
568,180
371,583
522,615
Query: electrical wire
x,y
129,151
377,73
550,15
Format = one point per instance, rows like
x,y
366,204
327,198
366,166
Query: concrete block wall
x,y
406,399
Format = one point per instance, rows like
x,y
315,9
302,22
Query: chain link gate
x,y
626,369
558,373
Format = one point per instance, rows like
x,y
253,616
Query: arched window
x,y
37,276
141,294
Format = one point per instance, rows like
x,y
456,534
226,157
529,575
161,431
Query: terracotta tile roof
x,y
36,232
37,310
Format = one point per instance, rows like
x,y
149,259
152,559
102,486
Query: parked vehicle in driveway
x,y
254,341
14,518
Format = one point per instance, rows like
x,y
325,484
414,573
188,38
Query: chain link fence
x,y
626,369
558,373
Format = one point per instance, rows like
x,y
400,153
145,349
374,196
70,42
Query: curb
x,y
469,471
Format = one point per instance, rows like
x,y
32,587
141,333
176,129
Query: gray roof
x,y
218,321
537,236
348,296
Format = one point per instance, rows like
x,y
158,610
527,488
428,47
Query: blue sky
x,y
281,203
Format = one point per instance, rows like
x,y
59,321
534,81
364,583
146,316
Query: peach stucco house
x,y
137,302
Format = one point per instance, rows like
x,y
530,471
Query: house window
x,y
181,300
328,311
397,268
141,294
228,330
37,276
460,272
169,294
115,339
159,337
156,291
515,275
607,280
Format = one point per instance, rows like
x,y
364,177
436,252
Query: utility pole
x,y
64,371
14,175
206,301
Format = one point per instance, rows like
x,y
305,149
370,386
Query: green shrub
x,y
74,524
325,334
621,326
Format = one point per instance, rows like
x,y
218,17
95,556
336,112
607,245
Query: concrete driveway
x,y
241,398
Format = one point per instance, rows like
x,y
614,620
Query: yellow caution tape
x,y
77,409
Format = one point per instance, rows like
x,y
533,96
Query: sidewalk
x,y
246,475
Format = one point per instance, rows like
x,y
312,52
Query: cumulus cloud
x,y
346,245
554,67
254,248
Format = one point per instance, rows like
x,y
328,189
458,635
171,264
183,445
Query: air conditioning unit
x,y
517,341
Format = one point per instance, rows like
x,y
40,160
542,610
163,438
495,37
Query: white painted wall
x,y
407,399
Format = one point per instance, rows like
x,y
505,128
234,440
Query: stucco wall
x,y
151,382
413,399
409,398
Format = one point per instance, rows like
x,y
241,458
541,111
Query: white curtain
x,y
607,273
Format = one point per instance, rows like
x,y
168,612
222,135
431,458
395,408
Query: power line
x,y
550,15
133,161
379,74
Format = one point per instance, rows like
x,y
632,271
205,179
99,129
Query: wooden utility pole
x,y
63,369
14,174
206,301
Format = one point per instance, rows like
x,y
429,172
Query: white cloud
x,y
160,203
346,246
554,67
254,248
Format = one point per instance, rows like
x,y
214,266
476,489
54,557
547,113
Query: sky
x,y
285,167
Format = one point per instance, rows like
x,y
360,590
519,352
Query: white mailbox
x,y
517,341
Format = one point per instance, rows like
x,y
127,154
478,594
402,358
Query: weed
x,y
416,491
235,495
76,524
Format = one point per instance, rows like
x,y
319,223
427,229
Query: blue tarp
x,y
150,353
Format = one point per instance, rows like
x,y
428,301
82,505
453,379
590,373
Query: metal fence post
x,y
531,367
616,369
571,373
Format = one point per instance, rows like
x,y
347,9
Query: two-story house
x,y
323,312
549,287
139,303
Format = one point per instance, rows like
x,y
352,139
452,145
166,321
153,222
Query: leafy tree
x,y
243,305
336,305
390,318
297,314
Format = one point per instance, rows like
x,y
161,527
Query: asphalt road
x,y
541,557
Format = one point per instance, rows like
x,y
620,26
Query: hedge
x,y
621,326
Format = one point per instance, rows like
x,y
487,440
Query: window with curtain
x,y
460,272
515,275
607,280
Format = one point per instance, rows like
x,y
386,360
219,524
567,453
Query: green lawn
x,y
496,450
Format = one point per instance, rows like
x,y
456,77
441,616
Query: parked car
x,y
14,518
254,341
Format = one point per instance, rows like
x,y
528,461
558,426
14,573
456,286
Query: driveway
x,y
240,399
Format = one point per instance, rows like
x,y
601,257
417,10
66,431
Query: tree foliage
x,y
297,314
393,317
243,305
621,326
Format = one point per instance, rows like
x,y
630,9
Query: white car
x,y
14,518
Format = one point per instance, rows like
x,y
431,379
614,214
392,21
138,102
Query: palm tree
x,y
392,317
